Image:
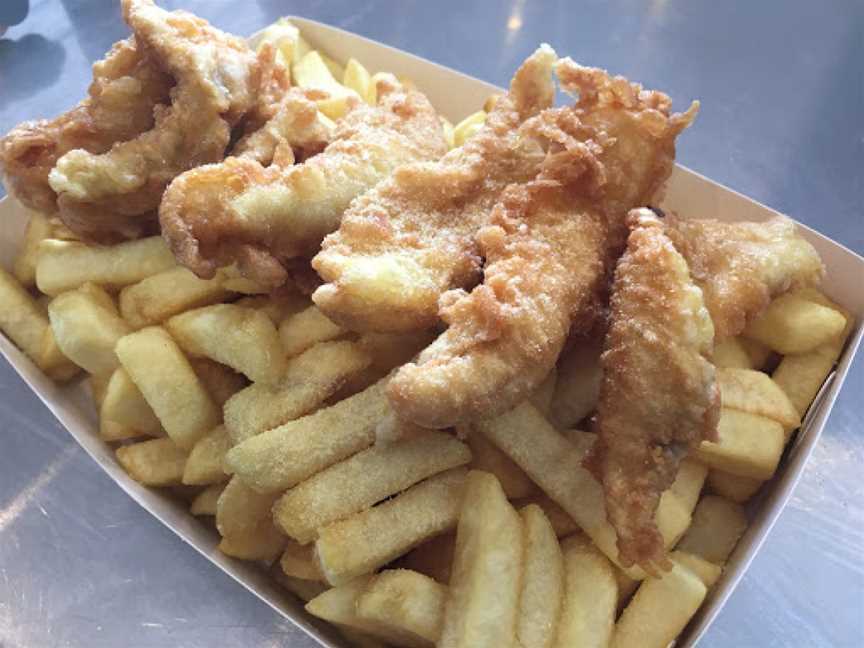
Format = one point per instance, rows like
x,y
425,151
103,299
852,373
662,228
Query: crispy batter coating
x,y
262,217
659,398
110,195
412,237
548,246
741,266
127,85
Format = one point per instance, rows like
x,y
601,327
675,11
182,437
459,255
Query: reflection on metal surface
x,y
21,499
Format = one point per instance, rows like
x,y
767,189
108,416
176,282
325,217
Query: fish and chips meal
x,y
455,386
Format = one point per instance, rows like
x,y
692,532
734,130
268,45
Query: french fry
x,y
286,455
124,409
169,385
309,379
338,605
305,590
590,598
357,78
160,296
290,45
158,462
717,526
86,331
428,509
734,487
312,72
542,581
242,338
562,524
708,572
731,353
688,483
578,385
204,465
794,324
374,474
545,392
240,509
659,610
555,465
485,456
404,602
261,542
65,265
99,295
21,317
432,558
306,329
205,502
98,387
468,127
336,69
800,376
24,267
483,599
52,361
755,392
626,586
234,281
298,561
747,445
219,381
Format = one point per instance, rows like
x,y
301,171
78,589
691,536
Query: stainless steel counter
x,y
782,121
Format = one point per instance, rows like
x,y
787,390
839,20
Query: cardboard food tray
x,y
456,95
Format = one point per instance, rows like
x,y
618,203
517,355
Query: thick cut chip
x,y
158,297
717,526
124,406
206,501
204,465
488,562
730,353
261,542
590,596
747,445
486,456
158,462
86,331
169,385
755,392
298,561
286,455
794,324
708,572
306,329
240,509
578,386
221,382
432,558
734,487
242,338
405,601
542,581
370,476
38,229
428,509
659,610
309,380
65,265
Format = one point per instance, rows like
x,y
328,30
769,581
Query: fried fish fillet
x,y
548,247
412,237
127,85
262,217
659,398
741,266
109,195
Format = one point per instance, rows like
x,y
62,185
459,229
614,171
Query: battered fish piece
x,y
742,266
548,249
127,85
659,398
412,237
109,196
263,217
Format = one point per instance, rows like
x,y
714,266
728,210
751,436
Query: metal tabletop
x,y
782,121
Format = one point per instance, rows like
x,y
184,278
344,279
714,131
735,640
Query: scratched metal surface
x,y
781,86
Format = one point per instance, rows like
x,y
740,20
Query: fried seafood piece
x,y
659,398
262,217
112,195
412,237
549,246
127,84
741,266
